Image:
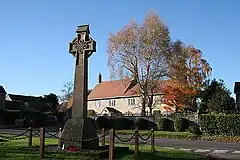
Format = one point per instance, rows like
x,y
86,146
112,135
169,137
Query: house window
x,y
112,102
131,102
98,103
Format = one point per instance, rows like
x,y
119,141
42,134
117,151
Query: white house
x,y
115,94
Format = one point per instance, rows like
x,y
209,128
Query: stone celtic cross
x,y
79,128
82,48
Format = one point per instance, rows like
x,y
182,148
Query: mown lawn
x,y
17,150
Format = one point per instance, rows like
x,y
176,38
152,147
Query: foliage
x,y
123,123
143,124
174,95
67,91
189,71
208,124
141,51
181,124
228,125
164,124
53,99
216,98
104,122
194,128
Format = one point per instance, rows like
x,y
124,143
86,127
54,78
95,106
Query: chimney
x,y
99,78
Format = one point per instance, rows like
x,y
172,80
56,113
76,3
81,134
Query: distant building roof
x,y
118,88
237,87
15,97
2,90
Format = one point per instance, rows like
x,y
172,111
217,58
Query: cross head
x,y
82,44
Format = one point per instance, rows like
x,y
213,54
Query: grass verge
x,y
17,150
183,136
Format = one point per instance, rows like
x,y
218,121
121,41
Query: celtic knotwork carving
x,y
80,45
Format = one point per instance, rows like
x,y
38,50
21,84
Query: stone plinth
x,y
77,130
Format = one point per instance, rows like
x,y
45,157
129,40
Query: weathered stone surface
x,y
81,133
78,129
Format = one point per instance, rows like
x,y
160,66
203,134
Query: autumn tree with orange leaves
x,y
189,72
140,51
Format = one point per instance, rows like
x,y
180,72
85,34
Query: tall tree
x,y
140,51
189,70
217,98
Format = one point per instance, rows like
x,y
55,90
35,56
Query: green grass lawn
x,y
16,149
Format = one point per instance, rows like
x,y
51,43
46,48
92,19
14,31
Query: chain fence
x,y
125,140
133,135
148,137
15,137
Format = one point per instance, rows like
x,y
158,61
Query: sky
x,y
35,35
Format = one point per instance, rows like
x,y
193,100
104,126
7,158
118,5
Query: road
x,y
225,150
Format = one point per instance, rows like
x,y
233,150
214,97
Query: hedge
x,y
181,124
124,123
143,124
165,124
104,122
229,125
208,124
220,124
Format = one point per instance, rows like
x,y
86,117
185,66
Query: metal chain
x,y
35,133
145,139
16,137
122,140
52,135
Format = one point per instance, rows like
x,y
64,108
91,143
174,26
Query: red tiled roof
x,y
116,88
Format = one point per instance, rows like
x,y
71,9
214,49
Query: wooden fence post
x,y
111,145
59,138
152,140
136,151
103,137
42,141
30,137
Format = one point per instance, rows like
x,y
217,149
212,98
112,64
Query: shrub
x,y
194,128
143,124
163,124
104,122
123,123
181,124
208,124
152,125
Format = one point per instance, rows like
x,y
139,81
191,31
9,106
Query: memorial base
x,y
81,133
